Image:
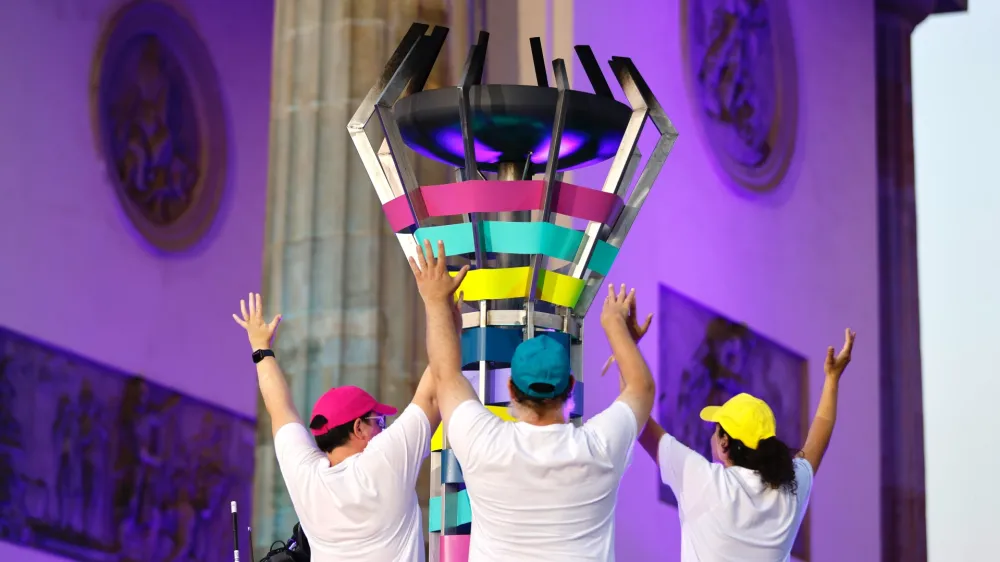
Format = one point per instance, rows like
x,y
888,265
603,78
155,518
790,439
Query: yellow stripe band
x,y
512,283
499,411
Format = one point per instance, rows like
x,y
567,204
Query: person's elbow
x,y
642,388
648,386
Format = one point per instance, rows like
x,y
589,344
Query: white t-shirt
x,y
542,492
365,508
729,514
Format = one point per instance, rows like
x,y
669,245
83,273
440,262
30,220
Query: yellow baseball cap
x,y
744,417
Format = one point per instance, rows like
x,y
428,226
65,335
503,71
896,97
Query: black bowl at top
x,y
509,122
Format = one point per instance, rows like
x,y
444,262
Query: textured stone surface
x,y
904,524
331,265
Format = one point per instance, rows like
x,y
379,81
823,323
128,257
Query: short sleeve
x,y
469,431
685,471
803,481
298,458
403,445
615,429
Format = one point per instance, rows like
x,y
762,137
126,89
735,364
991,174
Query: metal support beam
x,y
639,95
538,59
597,80
551,169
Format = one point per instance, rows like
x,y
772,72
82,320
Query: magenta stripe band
x,y
454,548
491,196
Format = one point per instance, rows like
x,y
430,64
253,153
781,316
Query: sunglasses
x,y
376,420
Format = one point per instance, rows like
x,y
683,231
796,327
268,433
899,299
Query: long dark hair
x,y
772,460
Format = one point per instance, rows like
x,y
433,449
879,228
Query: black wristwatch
x,y
260,354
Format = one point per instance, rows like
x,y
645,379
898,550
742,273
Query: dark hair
x,y
336,437
772,460
539,405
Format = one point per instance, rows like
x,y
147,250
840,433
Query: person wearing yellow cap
x,y
749,504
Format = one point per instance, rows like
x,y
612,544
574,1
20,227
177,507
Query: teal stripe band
x,y
502,237
603,257
458,510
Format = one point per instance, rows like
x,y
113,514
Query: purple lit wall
x,y
72,272
798,265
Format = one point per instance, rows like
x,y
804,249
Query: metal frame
x,y
551,177
406,72
472,75
364,113
590,66
644,104
542,320
389,169
538,60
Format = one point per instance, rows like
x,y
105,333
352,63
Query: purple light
x,y
571,142
452,142
608,146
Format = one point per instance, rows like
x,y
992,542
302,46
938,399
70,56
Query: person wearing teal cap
x,y
539,488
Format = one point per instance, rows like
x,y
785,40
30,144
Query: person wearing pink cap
x,y
350,477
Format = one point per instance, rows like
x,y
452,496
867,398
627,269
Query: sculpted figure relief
x,y
155,143
117,468
742,70
160,123
733,95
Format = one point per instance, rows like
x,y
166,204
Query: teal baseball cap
x,y
540,367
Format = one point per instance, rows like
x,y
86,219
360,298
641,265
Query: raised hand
x,y
617,305
260,332
636,330
835,364
433,280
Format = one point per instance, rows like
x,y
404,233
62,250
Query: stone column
x,y
903,497
331,264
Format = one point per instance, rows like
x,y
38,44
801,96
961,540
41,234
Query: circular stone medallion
x,y
158,117
741,72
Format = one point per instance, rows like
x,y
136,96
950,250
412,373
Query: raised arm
x,y
618,320
818,438
273,386
437,289
426,397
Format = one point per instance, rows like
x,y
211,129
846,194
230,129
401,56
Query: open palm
x,y
634,328
259,331
835,364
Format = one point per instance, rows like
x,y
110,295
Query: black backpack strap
x,y
301,540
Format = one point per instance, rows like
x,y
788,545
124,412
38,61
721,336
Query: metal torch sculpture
x,y
528,274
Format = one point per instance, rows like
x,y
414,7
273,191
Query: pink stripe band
x,y
491,196
454,548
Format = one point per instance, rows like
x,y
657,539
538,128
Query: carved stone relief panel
x,y
159,121
741,74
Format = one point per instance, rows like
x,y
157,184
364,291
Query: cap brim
x,y
384,410
708,413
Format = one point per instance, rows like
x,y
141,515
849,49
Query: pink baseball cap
x,y
346,403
